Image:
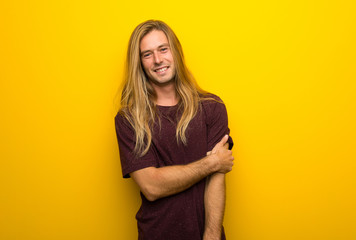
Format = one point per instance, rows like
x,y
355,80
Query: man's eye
x,y
164,49
146,55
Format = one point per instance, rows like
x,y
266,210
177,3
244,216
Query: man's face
x,y
156,57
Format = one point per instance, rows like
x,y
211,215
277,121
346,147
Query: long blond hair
x,y
137,99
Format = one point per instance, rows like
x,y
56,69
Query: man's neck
x,y
166,94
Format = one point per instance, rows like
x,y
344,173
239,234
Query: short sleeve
x,y
217,122
126,140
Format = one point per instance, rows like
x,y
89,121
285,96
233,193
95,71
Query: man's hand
x,y
221,156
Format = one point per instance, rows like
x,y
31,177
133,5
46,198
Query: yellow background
x,y
285,69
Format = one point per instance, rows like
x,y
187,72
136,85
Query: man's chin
x,y
162,82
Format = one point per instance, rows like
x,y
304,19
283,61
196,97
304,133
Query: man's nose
x,y
157,58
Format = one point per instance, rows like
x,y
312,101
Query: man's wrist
x,y
211,162
212,235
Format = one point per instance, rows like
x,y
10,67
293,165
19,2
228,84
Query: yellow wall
x,y
285,69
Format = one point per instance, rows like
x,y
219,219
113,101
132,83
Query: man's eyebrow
x,y
163,45
160,46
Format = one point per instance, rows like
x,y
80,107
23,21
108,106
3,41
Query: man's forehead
x,y
153,40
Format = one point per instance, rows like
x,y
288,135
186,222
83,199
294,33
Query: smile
x,y
161,70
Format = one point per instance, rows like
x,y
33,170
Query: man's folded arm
x,y
214,202
156,183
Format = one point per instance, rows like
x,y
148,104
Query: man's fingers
x,y
220,144
223,140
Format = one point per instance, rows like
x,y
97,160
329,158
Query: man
x,y
173,140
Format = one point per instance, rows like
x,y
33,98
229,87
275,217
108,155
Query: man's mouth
x,y
161,70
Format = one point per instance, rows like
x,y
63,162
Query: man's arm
x,y
214,202
156,183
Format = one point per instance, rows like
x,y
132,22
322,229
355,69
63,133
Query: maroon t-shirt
x,y
180,216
